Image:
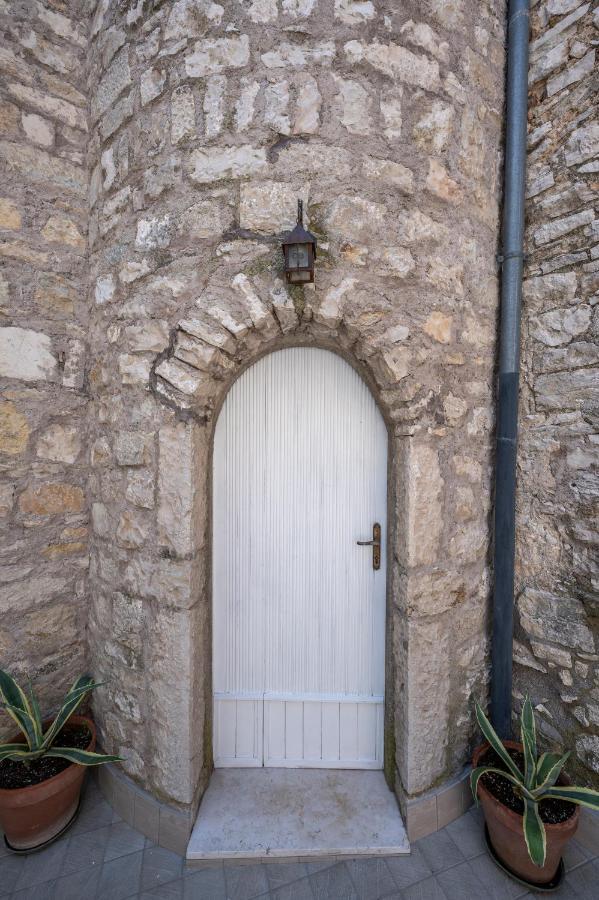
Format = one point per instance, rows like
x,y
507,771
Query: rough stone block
x,y
38,166
559,619
10,214
51,499
132,448
397,62
60,230
182,114
26,354
214,55
14,429
269,206
50,106
112,84
59,443
181,500
421,509
229,162
292,56
151,85
307,109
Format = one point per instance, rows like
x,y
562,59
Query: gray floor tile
x,y
43,866
584,881
91,794
318,865
120,877
45,891
407,870
11,868
81,885
159,866
245,882
279,874
171,891
371,878
575,855
122,840
92,816
440,851
497,885
207,884
333,883
461,883
84,850
468,833
429,889
588,832
297,890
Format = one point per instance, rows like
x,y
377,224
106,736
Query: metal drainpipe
x,y
511,260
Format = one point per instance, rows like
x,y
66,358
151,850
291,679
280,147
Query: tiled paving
x,y
102,858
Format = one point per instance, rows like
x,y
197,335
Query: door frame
x,y
392,579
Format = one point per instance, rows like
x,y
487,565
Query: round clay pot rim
x,y
517,817
73,720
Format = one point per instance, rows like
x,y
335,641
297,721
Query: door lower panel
x,y
306,731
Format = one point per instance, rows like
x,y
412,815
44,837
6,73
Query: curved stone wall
x,y
43,334
208,121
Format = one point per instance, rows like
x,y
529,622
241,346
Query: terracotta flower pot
x,y
507,835
33,815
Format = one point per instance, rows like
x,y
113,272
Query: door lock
x,y
375,543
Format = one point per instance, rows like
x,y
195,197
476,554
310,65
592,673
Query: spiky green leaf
x,y
580,795
481,770
36,713
13,751
545,763
495,742
26,724
15,697
551,775
74,697
82,757
534,832
529,742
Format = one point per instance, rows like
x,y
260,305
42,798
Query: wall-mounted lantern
x,y
299,250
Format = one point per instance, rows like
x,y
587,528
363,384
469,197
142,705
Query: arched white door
x,y
300,475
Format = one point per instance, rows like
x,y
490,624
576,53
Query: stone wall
x,y
557,639
208,121
43,334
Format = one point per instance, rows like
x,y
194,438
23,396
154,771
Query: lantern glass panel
x,y
298,256
299,276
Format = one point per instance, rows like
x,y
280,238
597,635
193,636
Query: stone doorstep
x,y
170,827
300,814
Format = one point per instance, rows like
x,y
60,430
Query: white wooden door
x,y
300,474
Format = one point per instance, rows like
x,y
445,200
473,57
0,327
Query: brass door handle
x,y
375,543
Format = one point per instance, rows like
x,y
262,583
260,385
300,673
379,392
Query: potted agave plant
x,y
531,808
43,765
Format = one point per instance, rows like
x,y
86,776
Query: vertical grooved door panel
x,y
300,474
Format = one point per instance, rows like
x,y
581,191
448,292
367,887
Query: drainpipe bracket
x,y
503,257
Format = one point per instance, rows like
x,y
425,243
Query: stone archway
x,y
435,602
234,322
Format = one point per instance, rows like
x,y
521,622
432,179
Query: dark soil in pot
x,y
15,774
551,811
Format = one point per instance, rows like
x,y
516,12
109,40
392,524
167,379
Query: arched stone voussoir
x,y
235,319
240,317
